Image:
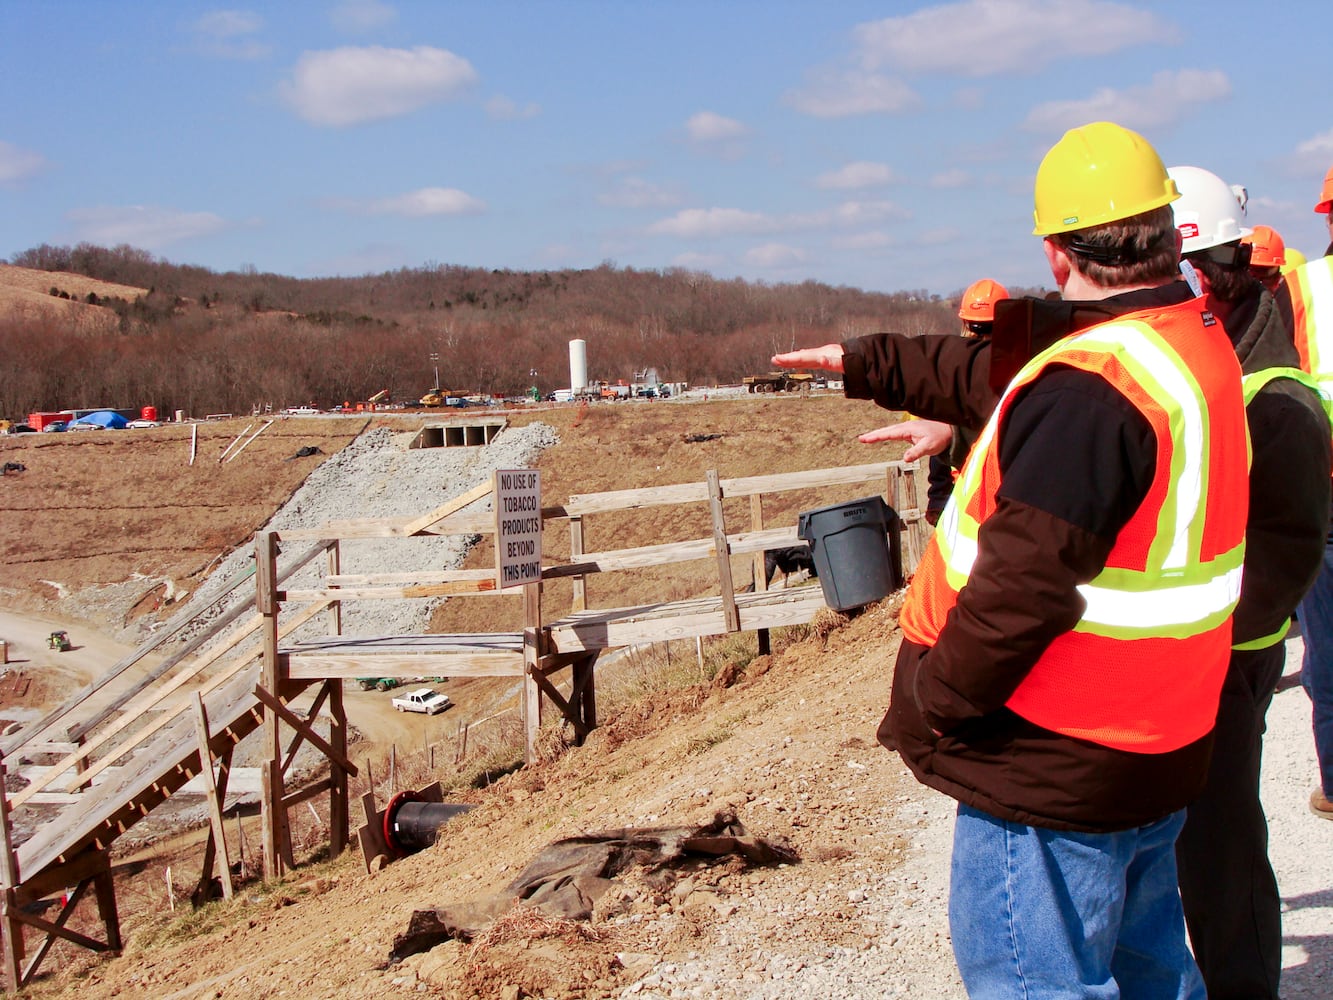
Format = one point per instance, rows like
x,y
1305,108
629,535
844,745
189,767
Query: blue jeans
x,y
1316,615
1038,914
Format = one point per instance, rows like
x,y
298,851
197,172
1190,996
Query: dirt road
x,y
52,676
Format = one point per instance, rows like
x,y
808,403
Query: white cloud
x,y
872,240
843,93
713,223
1313,155
694,261
856,175
357,17
228,34
774,255
348,86
708,126
938,237
986,37
858,213
428,201
149,227
692,223
954,178
635,192
1170,95
502,108
18,164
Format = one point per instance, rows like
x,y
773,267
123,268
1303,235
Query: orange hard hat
x,y
978,305
1269,250
1326,194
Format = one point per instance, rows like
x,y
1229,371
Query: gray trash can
x,y
856,550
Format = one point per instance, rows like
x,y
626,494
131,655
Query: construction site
x,y
206,806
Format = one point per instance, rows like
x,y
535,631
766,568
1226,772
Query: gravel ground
x,y
912,957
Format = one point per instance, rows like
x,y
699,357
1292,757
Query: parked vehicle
x,y
779,381
143,423
55,427
422,700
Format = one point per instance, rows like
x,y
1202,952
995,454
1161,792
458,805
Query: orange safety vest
x,y
1143,669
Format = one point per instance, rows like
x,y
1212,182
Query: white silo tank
x,y
578,364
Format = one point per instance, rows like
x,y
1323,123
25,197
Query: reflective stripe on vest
x,y
1311,288
1252,384
1154,639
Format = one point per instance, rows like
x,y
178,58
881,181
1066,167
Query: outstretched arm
x,y
928,437
828,358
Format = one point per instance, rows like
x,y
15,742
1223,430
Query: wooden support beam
x,y
66,908
273,818
298,737
339,793
728,588
759,569
214,801
309,792
576,549
201,891
11,929
572,716
275,705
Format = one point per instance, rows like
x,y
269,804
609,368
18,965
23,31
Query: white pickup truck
x,y
422,700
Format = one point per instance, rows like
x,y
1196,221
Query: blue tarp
x,y
103,418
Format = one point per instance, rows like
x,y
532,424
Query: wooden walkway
x,y
119,748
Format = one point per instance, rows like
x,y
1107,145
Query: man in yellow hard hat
x,y
1067,631
1306,300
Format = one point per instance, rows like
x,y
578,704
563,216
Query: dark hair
x,y
1225,283
1131,251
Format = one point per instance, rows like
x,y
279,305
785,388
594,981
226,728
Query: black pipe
x,y
413,825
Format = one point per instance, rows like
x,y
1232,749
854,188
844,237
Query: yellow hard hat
x,y
1294,259
1096,174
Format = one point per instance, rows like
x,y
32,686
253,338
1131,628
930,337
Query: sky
x,y
885,146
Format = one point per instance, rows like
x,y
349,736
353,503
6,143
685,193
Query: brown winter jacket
x,y
1085,463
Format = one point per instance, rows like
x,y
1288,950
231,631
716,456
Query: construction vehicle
x,y
779,381
59,641
380,397
435,397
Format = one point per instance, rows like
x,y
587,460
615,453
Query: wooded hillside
x,y
204,342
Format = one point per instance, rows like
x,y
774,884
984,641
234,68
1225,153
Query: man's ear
x,y
1058,259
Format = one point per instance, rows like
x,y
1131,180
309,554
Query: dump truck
x,y
779,381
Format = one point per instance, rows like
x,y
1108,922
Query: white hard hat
x,y
1209,211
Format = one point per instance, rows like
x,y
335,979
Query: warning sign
x,y
518,526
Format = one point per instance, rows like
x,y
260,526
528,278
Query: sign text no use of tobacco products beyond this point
x,y
518,526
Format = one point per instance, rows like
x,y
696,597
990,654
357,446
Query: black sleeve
x,y
941,377
1289,509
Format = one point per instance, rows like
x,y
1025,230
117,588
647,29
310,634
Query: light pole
x,y
435,360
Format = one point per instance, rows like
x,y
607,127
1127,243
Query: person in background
x,y
976,310
1294,260
1067,631
1268,256
1306,302
1230,895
